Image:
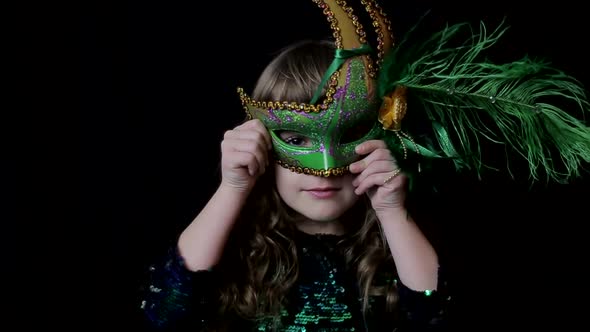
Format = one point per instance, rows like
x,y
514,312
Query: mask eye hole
x,y
294,138
356,132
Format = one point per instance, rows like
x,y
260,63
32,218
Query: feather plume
x,y
535,111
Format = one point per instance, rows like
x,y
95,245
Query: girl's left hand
x,y
378,176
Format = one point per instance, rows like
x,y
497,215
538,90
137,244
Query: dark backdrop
x,y
153,72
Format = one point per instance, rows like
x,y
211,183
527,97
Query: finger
x,y
370,146
379,154
376,167
257,125
253,147
247,135
368,182
378,179
239,159
236,145
248,124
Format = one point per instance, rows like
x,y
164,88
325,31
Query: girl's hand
x,y
244,155
379,176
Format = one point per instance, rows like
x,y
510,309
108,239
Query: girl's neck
x,y
321,227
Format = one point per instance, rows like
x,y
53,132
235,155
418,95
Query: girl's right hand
x,y
244,155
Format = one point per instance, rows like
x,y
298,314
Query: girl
x,y
309,228
278,248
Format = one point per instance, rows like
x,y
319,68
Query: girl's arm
x,y
422,289
202,242
181,288
415,258
244,158
381,179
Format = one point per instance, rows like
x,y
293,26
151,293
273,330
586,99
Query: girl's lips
x,y
323,192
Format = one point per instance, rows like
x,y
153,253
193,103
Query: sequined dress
x,y
324,299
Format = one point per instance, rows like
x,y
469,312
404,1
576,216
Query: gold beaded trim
x,y
292,106
372,8
335,171
334,24
336,30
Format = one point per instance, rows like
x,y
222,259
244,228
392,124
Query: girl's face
x,y
318,199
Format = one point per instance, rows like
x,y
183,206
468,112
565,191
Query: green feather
x,y
527,106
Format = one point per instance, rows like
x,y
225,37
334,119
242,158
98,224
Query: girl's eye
x,y
295,139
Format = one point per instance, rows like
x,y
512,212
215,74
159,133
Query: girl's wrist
x,y
393,214
232,189
231,194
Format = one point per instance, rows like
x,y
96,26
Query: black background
x,y
152,71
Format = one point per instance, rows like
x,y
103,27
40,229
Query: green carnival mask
x,y
350,119
348,114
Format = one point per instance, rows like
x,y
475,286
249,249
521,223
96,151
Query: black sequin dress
x,y
324,299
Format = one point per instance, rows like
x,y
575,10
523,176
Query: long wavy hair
x,y
260,251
